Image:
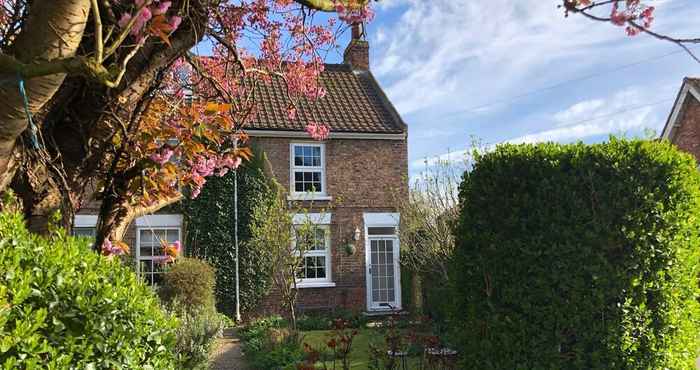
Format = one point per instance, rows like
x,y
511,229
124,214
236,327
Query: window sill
x,y
328,284
308,197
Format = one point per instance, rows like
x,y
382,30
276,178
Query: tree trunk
x,y
417,293
53,30
77,125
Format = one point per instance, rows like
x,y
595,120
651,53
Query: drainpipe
x,y
235,236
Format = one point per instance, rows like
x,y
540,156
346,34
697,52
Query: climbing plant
x,y
210,223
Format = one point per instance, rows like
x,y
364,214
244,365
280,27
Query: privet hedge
x,y
579,257
62,306
210,233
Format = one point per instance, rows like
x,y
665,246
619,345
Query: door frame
x,y
382,220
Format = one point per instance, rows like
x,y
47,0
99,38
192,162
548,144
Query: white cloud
x,y
462,53
578,110
625,111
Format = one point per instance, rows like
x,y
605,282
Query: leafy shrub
x,y
579,257
63,306
210,234
308,322
196,335
326,320
259,327
267,344
189,282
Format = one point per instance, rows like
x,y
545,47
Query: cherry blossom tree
x,y
107,97
635,16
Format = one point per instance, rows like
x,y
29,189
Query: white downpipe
x,y
235,236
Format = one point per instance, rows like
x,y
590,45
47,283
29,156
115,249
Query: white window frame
x,y
321,221
85,222
155,223
293,168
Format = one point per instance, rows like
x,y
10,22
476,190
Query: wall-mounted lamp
x,y
350,248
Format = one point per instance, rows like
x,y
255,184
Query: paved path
x,y
227,355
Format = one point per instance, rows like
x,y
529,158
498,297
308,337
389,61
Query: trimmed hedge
x,y
189,282
62,306
210,233
579,257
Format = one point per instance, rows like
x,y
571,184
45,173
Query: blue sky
x,y
518,71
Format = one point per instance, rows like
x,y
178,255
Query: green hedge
x,y
210,233
579,257
62,306
189,282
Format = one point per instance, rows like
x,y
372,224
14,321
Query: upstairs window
x,y
308,169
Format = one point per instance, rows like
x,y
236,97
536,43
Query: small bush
x,y
579,257
189,282
267,344
196,335
62,306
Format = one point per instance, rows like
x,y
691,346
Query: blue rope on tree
x,y
32,127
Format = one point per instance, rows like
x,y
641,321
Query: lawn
x,y
359,355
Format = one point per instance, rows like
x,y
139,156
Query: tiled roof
x,y
354,103
694,81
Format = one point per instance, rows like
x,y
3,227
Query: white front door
x,y
383,283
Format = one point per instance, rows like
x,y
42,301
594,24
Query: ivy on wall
x,y
209,221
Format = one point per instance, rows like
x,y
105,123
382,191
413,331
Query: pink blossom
x,y
163,156
318,131
124,20
143,17
632,31
109,250
617,17
291,112
351,15
161,8
175,22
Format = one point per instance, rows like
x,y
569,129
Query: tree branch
x,y
572,7
329,5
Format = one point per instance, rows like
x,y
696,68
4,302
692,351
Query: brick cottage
x,y
347,182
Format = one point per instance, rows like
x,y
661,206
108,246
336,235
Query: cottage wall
x,y
361,176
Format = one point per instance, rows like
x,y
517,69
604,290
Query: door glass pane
x,y
382,265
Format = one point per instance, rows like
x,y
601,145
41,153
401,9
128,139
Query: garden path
x,y
227,353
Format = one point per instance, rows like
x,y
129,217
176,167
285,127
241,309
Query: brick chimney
x,y
357,53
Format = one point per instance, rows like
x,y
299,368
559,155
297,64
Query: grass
x,y
359,354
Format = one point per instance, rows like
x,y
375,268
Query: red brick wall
x,y
361,176
687,136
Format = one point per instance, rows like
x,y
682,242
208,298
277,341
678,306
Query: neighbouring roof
x,y
690,88
354,103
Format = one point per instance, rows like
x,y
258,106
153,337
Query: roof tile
x,y
354,103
